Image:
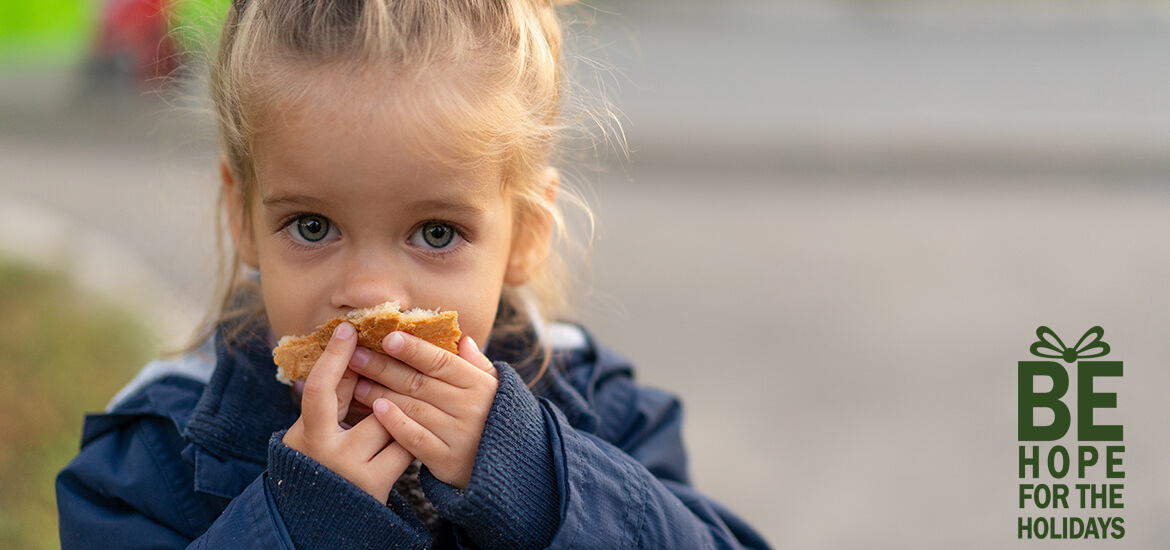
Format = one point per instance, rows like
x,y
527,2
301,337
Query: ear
x,y
234,202
530,239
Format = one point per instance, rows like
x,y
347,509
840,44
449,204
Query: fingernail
x,y
344,331
362,388
393,342
381,406
471,341
361,356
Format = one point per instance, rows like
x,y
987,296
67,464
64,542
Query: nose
x,y
368,277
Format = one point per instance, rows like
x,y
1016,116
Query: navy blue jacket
x,y
191,456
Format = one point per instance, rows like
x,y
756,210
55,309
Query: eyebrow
x,y
279,198
447,206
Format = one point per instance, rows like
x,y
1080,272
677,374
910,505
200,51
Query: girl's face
x,y
350,212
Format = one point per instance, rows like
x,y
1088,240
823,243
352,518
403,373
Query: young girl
x,y
390,150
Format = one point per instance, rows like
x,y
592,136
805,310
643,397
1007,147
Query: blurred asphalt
x,y
838,231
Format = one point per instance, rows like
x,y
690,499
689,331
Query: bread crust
x,y
296,355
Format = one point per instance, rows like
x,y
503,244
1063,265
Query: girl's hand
x,y
433,402
365,454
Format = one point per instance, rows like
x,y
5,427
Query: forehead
x,y
439,112
374,142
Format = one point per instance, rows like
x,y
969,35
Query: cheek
x,y
477,322
291,301
473,295
480,295
281,311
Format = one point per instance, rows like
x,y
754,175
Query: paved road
x,y
837,262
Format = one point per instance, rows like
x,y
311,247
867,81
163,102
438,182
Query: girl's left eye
x,y
436,235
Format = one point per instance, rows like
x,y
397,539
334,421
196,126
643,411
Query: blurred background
x,y
838,227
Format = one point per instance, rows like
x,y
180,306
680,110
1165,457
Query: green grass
x,y
63,353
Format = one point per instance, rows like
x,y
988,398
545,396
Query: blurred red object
x,y
134,41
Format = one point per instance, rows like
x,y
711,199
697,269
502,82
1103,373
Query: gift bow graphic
x,y
1050,345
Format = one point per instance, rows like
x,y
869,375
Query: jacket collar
x,y
243,404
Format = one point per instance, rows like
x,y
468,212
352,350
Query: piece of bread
x,y
296,355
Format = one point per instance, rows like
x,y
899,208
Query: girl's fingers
x,y
393,458
319,401
368,437
451,464
345,397
425,413
471,353
344,392
431,360
405,379
406,431
391,379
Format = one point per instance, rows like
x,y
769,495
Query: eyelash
x,y
286,227
460,234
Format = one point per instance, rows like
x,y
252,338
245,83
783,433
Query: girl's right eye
x,y
311,229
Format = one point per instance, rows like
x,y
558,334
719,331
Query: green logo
x,y
1084,509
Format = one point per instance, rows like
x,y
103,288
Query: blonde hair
x,y
511,49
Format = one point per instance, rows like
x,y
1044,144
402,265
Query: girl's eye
x,y
311,228
437,235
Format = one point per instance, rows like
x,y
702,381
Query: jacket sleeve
x,y
540,482
130,487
